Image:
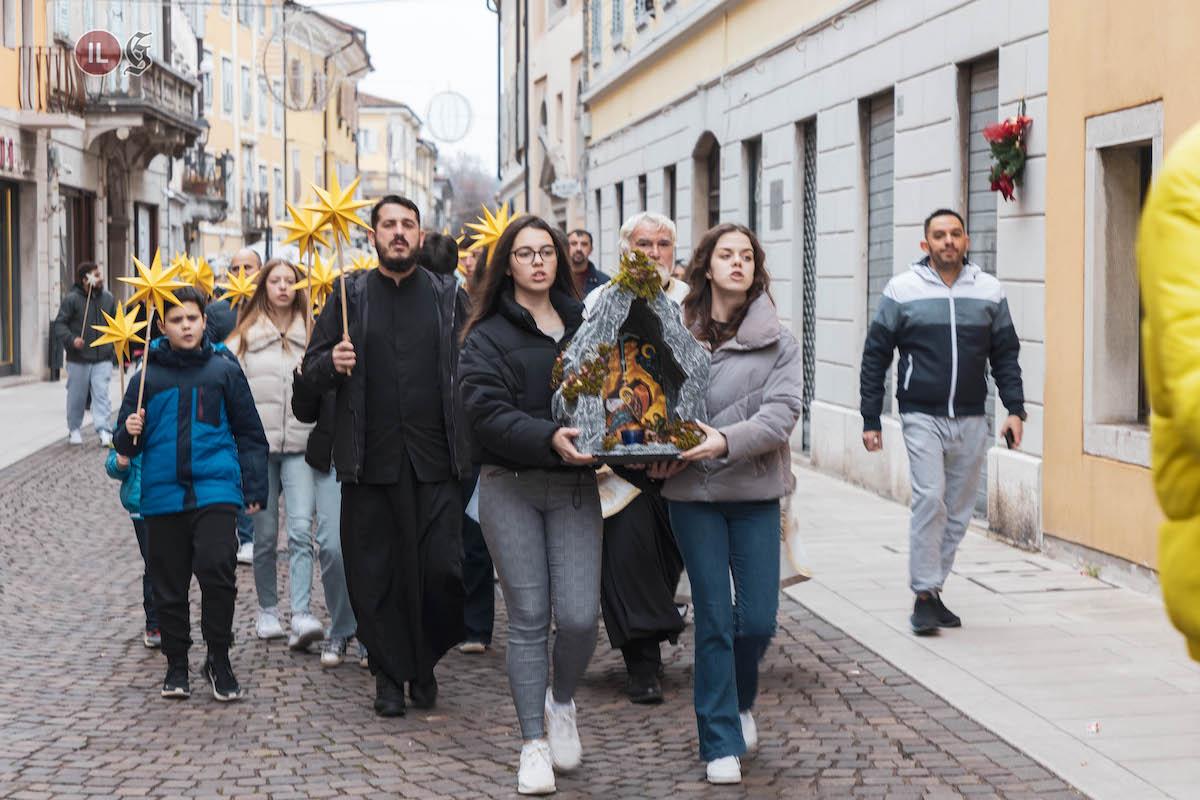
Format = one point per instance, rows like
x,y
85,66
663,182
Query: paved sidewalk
x,y
1086,677
35,415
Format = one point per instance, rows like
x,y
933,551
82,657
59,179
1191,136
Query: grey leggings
x,y
543,529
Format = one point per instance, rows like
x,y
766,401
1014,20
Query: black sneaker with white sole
x,y
219,674
175,685
945,617
924,619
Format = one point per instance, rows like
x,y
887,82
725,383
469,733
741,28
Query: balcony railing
x,y
204,174
256,211
49,81
160,92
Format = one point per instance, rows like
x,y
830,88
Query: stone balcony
x,y
153,113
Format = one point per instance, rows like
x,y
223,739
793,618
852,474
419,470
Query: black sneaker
x,y
175,685
423,693
644,689
945,617
924,619
389,696
219,674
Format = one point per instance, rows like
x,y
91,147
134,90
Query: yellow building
x,y
1116,110
392,156
280,97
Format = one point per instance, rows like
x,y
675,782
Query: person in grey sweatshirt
x,y
724,505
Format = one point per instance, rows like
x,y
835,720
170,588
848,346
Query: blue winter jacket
x,y
131,482
203,443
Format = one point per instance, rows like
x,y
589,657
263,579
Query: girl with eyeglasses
x,y
538,502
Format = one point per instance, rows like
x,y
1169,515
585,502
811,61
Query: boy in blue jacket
x,y
129,472
204,455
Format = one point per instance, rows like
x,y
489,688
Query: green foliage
x,y
638,276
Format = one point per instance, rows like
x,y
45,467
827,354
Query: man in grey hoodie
x,y
89,369
950,320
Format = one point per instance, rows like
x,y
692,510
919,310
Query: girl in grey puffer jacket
x,y
725,503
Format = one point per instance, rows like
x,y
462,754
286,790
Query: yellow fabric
x,y
1168,252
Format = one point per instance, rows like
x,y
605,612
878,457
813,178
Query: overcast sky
x,y
422,47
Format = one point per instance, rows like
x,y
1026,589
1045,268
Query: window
x,y
559,113
319,169
277,174
206,81
227,85
713,168
277,101
246,12
597,35
618,21
620,187
226,5
262,179
296,82
669,191
262,102
642,193
247,95
643,12
296,180
752,164
1122,152
247,169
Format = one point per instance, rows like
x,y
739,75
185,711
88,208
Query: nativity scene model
x,y
633,379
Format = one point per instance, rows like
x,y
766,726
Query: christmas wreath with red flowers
x,y
1007,141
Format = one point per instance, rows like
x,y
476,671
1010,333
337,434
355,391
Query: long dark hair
x,y
495,280
697,306
258,304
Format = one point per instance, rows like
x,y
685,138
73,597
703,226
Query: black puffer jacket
x,y
311,406
504,378
70,323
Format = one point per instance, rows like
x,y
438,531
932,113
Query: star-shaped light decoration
x,y
319,281
361,263
238,286
489,228
304,228
120,331
154,285
180,262
336,206
198,273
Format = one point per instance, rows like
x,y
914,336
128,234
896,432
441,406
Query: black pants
x,y
203,543
479,610
139,530
402,550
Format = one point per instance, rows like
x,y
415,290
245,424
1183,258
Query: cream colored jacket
x,y
268,365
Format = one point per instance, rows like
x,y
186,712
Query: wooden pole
x,y
342,282
86,304
121,370
145,358
308,310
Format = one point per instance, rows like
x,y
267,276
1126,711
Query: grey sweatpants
x,y
543,529
945,458
81,378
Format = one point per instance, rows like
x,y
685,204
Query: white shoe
x,y
749,731
725,770
105,439
75,437
472,648
562,733
245,554
268,626
306,629
333,652
536,776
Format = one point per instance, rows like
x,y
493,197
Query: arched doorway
x,y
706,185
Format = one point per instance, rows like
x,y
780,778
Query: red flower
x,y
1003,185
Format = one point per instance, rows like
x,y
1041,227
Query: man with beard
x,y
949,319
398,455
88,368
583,271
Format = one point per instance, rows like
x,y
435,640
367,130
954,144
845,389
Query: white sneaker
x,y
562,733
749,731
725,770
306,629
536,776
75,437
333,652
472,648
105,439
245,553
268,626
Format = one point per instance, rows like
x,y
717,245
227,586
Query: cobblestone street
x,y
80,713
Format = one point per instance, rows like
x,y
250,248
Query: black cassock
x,y
642,565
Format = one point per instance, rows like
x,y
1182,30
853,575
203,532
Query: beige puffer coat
x,y
268,365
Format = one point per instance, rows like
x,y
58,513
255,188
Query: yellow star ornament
x,y
154,285
336,207
199,274
238,286
304,228
489,228
319,281
120,331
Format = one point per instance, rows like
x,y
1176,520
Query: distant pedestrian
x,y
439,253
269,343
539,504
1168,250
89,369
583,271
129,472
725,505
950,321
195,402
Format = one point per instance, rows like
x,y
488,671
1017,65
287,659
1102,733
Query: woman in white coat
x,y
269,342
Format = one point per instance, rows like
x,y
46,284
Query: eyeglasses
x,y
524,255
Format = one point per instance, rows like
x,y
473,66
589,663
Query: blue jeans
x,y
245,527
308,494
717,539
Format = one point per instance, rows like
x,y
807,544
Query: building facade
x,y
1115,115
832,128
394,159
541,144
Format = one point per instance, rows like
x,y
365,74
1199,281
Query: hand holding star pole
x,y
337,208
155,287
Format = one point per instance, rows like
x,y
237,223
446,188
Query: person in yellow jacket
x,y
1168,251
